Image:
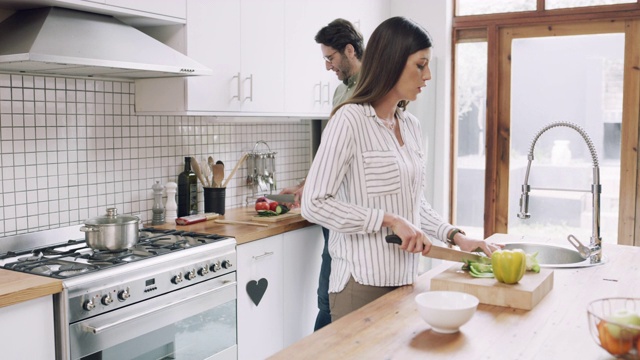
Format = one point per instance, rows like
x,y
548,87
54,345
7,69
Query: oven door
x,y
197,322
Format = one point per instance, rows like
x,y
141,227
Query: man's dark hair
x,y
338,34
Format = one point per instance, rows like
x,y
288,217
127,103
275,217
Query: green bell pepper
x,y
508,266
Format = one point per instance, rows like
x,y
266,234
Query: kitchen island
x,y
556,328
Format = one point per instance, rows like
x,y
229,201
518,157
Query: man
x,y
342,47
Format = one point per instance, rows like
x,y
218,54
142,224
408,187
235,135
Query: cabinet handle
x,y
237,77
266,253
250,97
328,94
318,99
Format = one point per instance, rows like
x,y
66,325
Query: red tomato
x,y
272,205
263,205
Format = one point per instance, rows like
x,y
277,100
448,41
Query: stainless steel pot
x,y
111,232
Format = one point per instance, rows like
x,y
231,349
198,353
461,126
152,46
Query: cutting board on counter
x,y
291,214
524,295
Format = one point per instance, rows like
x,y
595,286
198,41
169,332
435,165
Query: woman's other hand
x,y
466,243
296,190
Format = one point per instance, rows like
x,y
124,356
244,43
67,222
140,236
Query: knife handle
x,y
393,239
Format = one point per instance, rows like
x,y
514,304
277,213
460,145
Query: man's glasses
x,y
329,58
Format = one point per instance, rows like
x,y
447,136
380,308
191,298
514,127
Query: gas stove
x,y
74,257
116,303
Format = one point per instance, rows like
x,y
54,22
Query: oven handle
x,y
97,330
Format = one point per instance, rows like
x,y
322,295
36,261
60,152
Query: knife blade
x,y
281,198
444,253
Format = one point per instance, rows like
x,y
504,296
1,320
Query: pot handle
x,y
89,229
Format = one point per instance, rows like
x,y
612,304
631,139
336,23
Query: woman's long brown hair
x,y
385,57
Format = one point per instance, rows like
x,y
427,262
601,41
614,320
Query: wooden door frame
x,y
499,39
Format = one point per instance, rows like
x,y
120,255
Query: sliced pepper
x,y
509,266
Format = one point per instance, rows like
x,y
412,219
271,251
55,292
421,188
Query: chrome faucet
x,y
594,252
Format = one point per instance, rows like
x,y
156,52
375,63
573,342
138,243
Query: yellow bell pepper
x,y
509,266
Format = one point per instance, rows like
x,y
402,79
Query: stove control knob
x,y
107,299
124,294
177,279
226,264
89,305
191,274
215,267
203,271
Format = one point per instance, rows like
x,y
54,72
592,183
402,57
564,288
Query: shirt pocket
x,y
381,173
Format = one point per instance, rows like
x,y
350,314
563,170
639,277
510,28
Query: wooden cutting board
x,y
524,295
286,216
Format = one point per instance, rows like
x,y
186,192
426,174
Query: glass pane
x,y
562,4
197,337
477,7
575,79
471,99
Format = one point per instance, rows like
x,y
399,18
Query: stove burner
x,y
108,255
31,258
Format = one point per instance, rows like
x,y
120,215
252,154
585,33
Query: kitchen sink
x,y
552,256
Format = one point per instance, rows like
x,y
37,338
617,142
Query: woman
x,y
367,178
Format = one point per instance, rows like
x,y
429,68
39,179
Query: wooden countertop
x,y
242,233
17,287
556,328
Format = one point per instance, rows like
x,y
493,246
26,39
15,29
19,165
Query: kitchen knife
x,y
444,253
281,198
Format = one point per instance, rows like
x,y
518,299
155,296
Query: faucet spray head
x,y
524,203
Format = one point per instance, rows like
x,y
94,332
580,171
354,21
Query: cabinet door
x,y
302,260
262,53
260,327
309,86
21,338
213,39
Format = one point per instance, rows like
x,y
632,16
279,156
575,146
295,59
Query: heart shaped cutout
x,y
256,289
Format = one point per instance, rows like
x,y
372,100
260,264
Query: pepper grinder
x,y
158,208
171,206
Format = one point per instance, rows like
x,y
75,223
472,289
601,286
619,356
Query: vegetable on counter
x,y
509,266
485,270
480,270
532,262
266,207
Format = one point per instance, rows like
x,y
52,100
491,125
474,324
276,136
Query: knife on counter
x,y
281,198
444,253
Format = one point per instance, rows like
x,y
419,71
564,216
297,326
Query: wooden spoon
x,y
218,175
196,169
211,163
233,172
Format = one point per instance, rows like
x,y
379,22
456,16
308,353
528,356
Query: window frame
x,y
498,30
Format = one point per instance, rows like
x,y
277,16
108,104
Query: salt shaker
x,y
158,208
171,206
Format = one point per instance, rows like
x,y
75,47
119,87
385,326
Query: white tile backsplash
x,y
73,147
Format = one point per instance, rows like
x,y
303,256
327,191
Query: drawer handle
x,y
266,253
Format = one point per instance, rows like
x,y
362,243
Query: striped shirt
x,y
360,172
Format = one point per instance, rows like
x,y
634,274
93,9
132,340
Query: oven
x,y
172,296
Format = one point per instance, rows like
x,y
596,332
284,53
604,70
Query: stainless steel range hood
x,y
57,41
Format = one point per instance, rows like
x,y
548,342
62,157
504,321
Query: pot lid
x,y
112,218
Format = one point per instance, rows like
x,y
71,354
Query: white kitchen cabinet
x,y
309,87
302,260
291,264
242,41
260,327
27,330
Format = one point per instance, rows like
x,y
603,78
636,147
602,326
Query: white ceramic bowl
x,y
446,311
